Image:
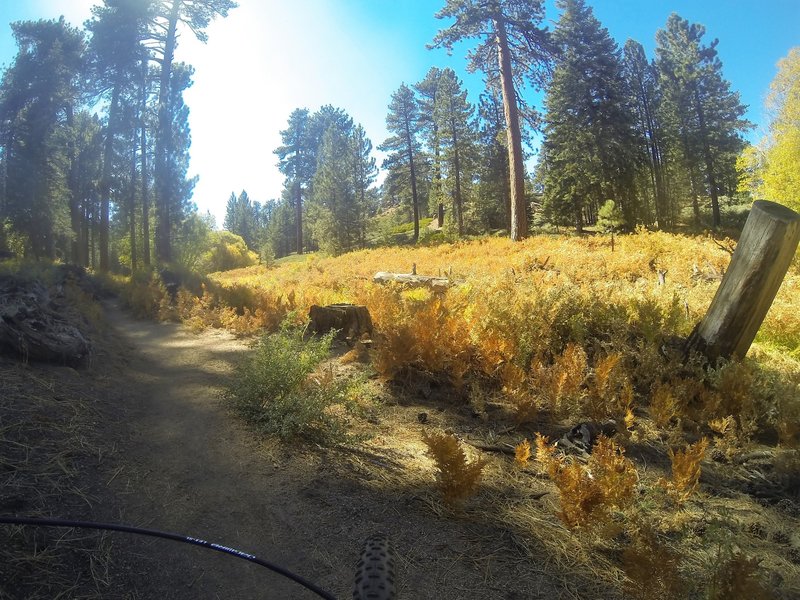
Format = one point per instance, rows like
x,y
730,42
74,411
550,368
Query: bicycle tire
x,y
375,577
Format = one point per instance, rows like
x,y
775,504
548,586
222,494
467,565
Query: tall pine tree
x,y
196,15
454,117
588,126
403,145
707,116
513,50
39,94
296,160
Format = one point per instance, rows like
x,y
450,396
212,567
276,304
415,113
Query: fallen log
x,y
412,280
350,320
499,448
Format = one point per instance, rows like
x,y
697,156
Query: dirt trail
x,y
188,467
185,464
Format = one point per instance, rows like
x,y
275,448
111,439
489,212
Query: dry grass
x,y
50,454
542,334
46,441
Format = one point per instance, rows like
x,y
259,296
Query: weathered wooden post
x,y
759,263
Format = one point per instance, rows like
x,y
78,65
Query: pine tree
x,y
118,29
365,172
641,78
38,95
426,102
403,146
296,160
513,49
588,126
176,204
334,214
196,15
242,217
86,165
706,114
454,117
493,165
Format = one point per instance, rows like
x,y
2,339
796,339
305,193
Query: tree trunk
x,y
83,244
33,327
709,160
414,199
350,320
163,139
74,195
105,180
132,208
762,257
298,203
412,280
519,216
145,183
457,168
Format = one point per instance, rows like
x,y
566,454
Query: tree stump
x,y
351,321
759,263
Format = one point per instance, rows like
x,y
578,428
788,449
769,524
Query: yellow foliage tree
x,y
781,170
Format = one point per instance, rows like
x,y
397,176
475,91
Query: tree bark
x,y
350,320
163,225
519,215
298,203
145,183
74,197
414,198
457,167
105,180
709,160
412,280
762,257
132,208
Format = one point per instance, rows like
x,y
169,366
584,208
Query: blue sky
x,y
272,56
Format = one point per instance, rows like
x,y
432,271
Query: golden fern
x,y
588,492
458,478
522,453
686,470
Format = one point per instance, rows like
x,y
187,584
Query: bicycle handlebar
x,y
171,536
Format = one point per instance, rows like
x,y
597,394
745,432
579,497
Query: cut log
x,y
412,280
759,263
32,329
351,321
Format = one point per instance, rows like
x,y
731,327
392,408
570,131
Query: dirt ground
x,y
174,458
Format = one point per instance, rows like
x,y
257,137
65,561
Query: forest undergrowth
x,y
694,491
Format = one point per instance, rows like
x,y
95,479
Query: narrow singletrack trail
x,y
189,467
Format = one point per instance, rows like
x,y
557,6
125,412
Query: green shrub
x,y
280,390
